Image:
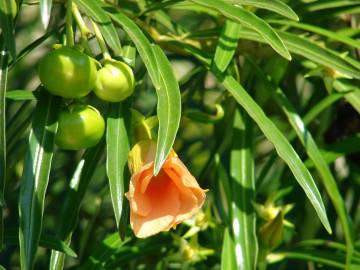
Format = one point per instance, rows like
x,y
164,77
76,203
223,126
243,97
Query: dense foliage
x,y
260,99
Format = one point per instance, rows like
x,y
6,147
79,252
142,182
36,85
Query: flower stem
x,y
69,30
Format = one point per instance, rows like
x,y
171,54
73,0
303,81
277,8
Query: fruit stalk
x,y
101,41
69,30
84,30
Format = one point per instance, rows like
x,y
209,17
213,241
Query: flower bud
x,y
142,153
271,232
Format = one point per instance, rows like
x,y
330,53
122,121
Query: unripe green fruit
x,y
80,126
68,73
115,82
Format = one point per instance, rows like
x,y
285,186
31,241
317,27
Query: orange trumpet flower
x,y
159,203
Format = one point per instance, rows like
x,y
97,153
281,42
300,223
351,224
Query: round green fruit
x,y
115,82
68,73
80,126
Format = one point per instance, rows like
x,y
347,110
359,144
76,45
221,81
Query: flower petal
x,y
165,201
140,203
192,196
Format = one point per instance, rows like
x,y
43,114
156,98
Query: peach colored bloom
x,y
159,203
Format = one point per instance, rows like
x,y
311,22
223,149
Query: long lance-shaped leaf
x,y
108,248
315,155
243,190
168,109
117,150
250,20
46,241
163,78
321,31
327,178
73,198
353,97
310,50
4,57
338,149
331,259
228,259
274,135
275,5
45,11
36,176
33,45
227,45
329,4
141,42
93,9
7,27
281,144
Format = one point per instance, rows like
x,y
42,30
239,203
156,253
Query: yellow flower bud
x,y
142,153
271,232
188,253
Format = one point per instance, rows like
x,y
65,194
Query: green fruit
x,y
80,126
115,82
68,73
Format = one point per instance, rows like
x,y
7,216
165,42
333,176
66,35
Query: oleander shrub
x,y
180,134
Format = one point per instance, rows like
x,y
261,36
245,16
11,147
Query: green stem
x,y
4,57
69,30
84,30
262,264
101,42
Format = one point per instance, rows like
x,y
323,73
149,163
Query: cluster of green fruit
x,y
70,73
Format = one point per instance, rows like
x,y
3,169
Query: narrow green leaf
x,y
73,198
321,106
315,155
7,27
45,12
92,8
341,148
322,5
20,95
228,260
167,88
281,144
274,5
18,124
227,45
46,241
129,55
313,243
33,45
274,135
322,167
353,92
250,20
310,50
108,247
168,108
117,147
243,190
304,47
321,31
36,176
4,57
322,257
141,42
222,191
